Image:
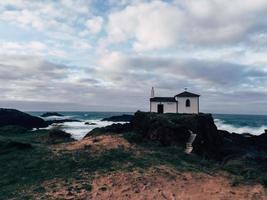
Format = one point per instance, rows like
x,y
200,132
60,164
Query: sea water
x,y
79,129
253,124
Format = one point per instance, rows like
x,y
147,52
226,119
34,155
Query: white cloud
x,y
147,23
95,24
123,47
82,45
158,25
47,17
23,48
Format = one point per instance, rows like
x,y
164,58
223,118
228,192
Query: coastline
x,y
54,166
230,122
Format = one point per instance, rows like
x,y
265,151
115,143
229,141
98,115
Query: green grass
x,y
22,171
246,169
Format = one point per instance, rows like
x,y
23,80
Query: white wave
x,y
79,129
56,118
222,125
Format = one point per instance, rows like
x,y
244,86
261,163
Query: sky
x,y
105,55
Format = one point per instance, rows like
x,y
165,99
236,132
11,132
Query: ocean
x,y
254,124
79,129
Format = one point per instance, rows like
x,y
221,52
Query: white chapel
x,y
185,102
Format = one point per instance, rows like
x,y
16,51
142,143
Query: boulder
x,y
241,144
56,133
113,128
260,142
90,123
49,114
120,118
174,129
17,118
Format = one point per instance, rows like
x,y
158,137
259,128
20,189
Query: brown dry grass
x,y
156,183
161,182
95,144
165,183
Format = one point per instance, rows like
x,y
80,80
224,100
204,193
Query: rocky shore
x,y
175,129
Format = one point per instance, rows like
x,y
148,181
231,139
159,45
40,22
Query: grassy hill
x,y
35,166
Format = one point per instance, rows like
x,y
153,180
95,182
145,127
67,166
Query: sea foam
x,y
79,129
222,125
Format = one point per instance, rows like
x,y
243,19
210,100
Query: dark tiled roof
x,y
163,99
187,94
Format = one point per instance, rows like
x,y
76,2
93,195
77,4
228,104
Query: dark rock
x,y
241,144
171,129
114,128
49,114
17,118
120,118
57,133
60,121
260,142
90,123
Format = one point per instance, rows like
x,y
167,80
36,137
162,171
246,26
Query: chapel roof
x,y
163,99
187,94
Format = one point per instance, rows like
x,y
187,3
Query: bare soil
x,y
95,143
167,184
155,183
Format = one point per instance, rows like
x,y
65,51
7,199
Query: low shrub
x,y
133,137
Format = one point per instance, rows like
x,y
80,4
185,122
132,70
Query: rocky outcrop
x,y
14,117
49,114
241,144
173,129
113,128
90,123
197,132
261,141
120,118
57,134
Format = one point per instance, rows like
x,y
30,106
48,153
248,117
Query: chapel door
x,y
160,108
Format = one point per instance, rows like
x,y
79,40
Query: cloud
x,y
146,23
89,52
199,71
49,17
25,79
95,24
158,25
33,47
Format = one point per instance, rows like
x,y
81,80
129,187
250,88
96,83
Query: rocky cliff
x,y
172,129
18,118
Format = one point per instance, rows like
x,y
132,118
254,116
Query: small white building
x,y
185,102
